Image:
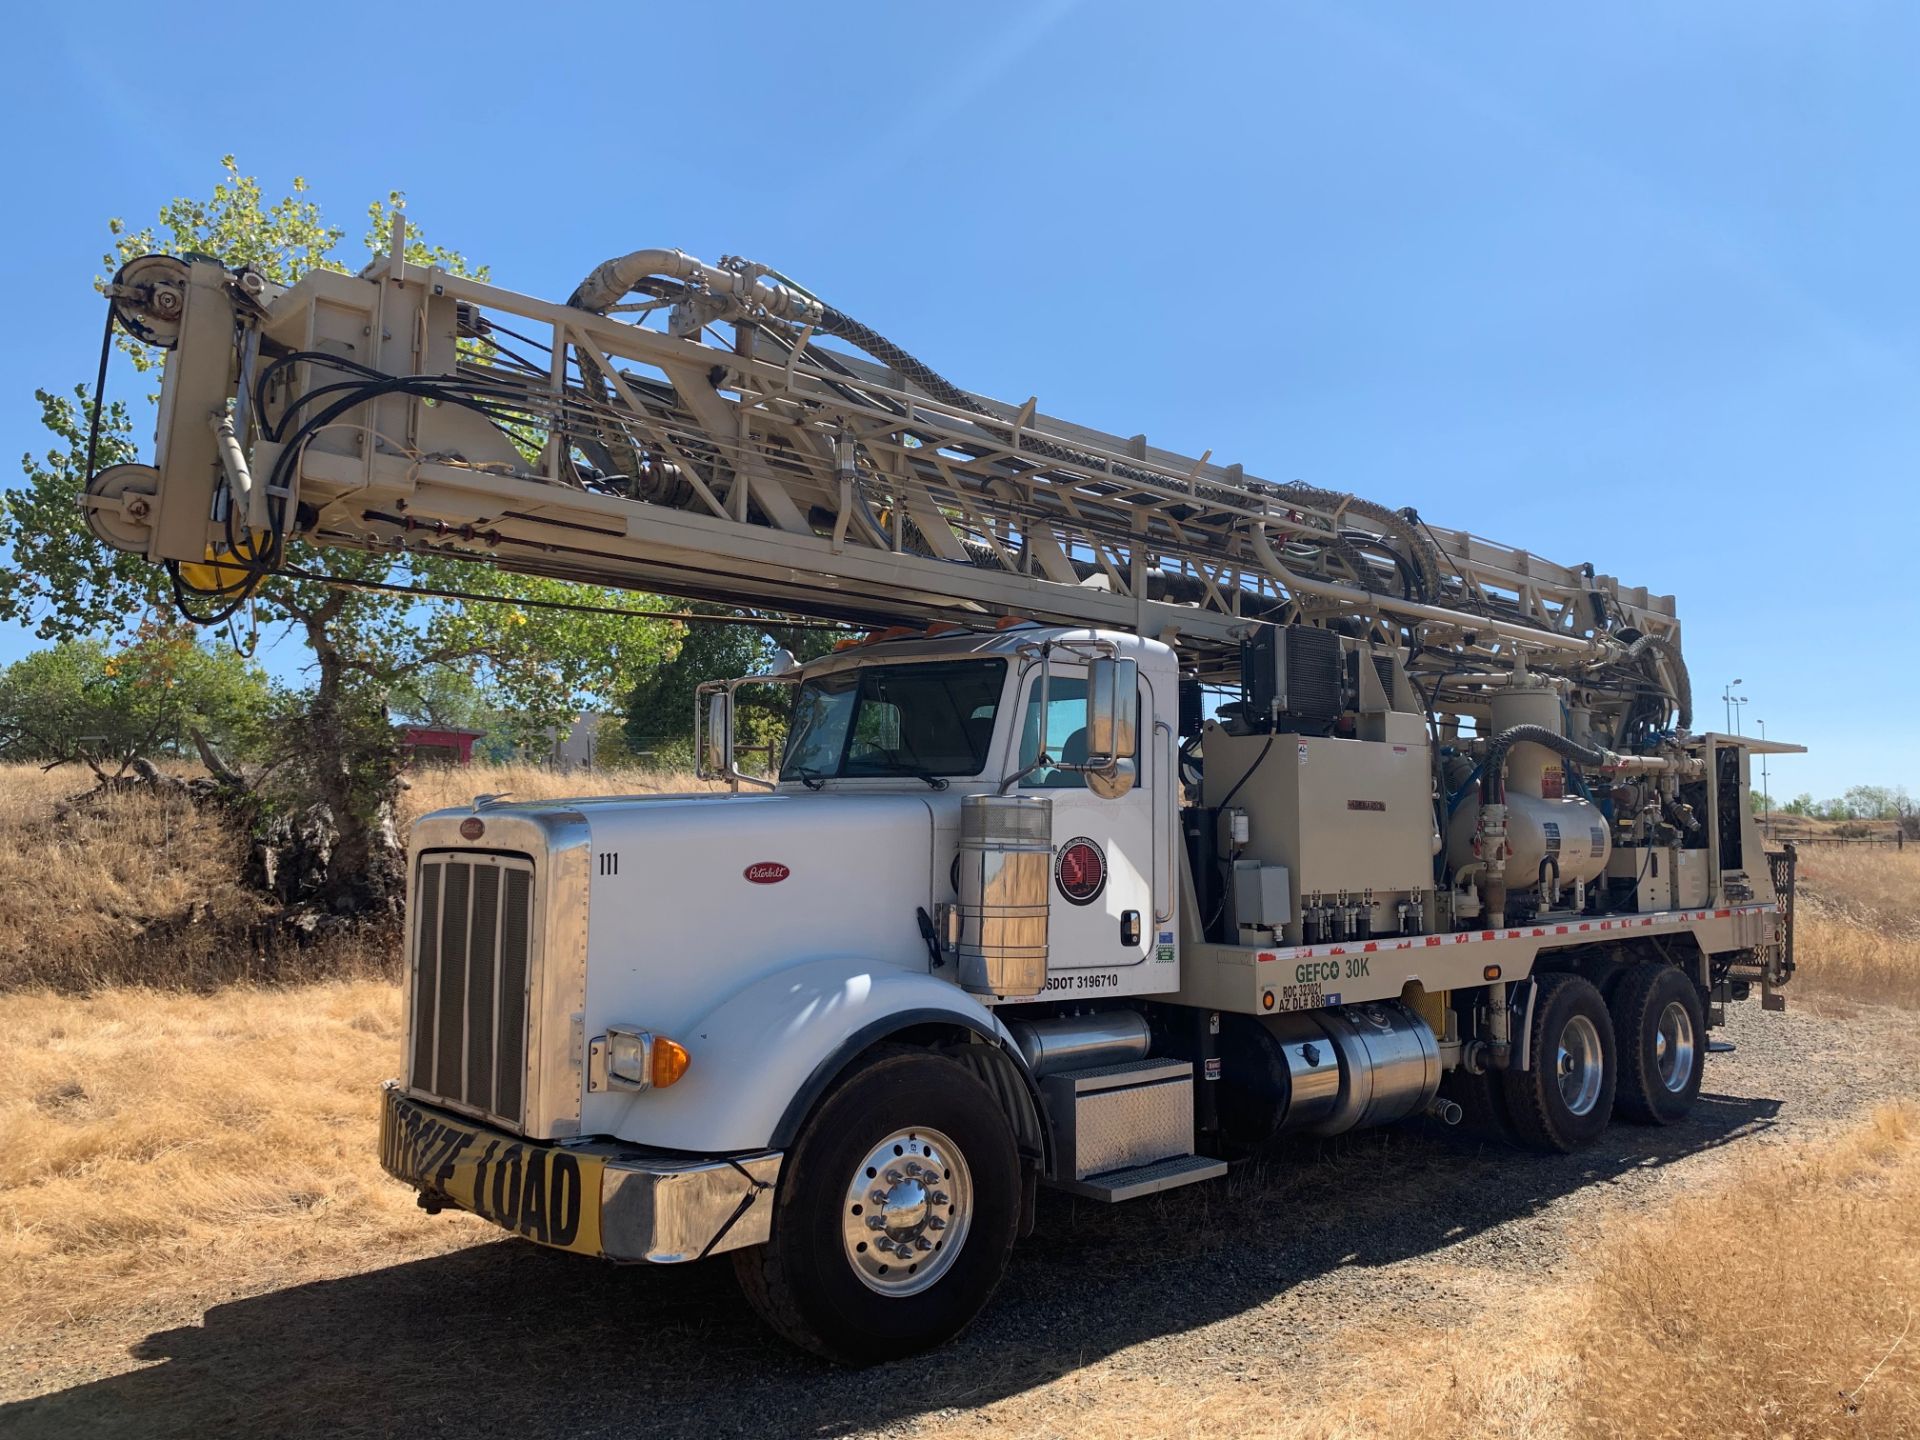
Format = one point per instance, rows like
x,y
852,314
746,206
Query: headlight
x,y
642,1060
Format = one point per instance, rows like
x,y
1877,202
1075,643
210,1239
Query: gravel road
x,y
1256,1270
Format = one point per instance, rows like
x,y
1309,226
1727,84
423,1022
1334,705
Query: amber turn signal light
x,y
670,1061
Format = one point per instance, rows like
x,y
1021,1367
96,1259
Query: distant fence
x,y
1892,842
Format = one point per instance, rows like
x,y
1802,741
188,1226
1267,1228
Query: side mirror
x,y
1113,708
716,751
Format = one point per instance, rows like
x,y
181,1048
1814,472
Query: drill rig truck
x,y
1160,811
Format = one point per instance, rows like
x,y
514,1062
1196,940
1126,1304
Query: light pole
x,y
1732,700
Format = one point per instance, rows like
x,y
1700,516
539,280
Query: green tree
x,y
1873,802
443,696
542,664
81,701
659,723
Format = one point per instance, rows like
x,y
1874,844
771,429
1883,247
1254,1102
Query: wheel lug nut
x,y
938,1222
894,1177
923,1244
939,1197
878,1197
876,1222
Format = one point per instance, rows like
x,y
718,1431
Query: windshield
x,y
932,719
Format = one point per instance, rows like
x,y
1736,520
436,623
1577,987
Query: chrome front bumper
x,y
665,1211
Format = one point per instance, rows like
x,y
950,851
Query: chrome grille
x,y
472,937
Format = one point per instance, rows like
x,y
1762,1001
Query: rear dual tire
x,y
1661,1022
1564,1099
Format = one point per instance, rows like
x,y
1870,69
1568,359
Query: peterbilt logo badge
x,y
472,828
766,872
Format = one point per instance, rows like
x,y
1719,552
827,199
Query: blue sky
x,y
1636,284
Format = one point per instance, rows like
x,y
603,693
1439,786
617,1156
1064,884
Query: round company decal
x,y
766,872
1080,870
472,828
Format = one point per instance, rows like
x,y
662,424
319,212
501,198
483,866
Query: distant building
x,y
575,746
437,744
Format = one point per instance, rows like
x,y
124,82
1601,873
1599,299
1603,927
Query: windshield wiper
x,y
936,782
806,777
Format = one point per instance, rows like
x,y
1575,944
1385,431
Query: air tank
x,y
1563,838
1075,1042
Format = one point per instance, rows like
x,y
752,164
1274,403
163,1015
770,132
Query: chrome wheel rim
x,y
1580,1065
1673,1047
907,1211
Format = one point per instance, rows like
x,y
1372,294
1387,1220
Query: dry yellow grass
x,y
1775,1301
437,788
167,1147
85,898
167,1152
1857,933
146,888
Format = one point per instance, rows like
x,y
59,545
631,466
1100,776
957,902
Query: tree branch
x,y
217,767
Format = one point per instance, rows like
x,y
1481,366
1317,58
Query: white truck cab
x,y
701,971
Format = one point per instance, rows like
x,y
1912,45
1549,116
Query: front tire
x,y
1563,1102
896,1212
1663,1039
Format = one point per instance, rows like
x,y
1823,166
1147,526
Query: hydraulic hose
x,y
1398,523
612,281
1493,787
1680,684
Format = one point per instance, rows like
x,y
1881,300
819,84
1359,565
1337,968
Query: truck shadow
x,y
503,1338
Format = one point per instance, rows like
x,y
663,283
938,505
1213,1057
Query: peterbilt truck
x,y
1150,812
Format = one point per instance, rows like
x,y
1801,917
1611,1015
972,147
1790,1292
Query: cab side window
x,y
1066,733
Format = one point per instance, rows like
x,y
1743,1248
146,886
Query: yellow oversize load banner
x,y
544,1193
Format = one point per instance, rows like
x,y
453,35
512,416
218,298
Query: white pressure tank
x,y
1544,821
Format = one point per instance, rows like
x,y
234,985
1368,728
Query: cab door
x,y
1101,916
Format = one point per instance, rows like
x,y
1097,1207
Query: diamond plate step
x,y
1138,1180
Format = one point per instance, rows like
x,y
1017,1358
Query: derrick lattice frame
x,y
749,460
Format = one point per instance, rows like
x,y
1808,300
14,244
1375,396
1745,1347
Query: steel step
x,y
1138,1180
1720,1047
